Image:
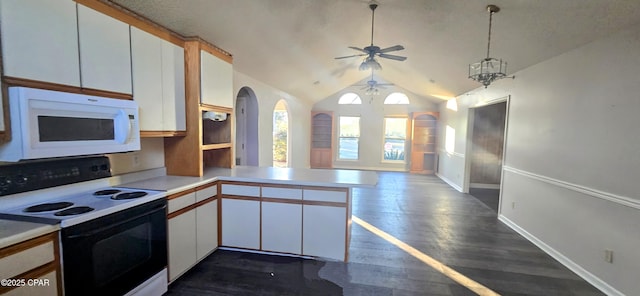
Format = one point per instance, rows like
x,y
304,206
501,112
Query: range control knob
x,y
21,179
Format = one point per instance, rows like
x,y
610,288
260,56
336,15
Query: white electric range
x,y
113,240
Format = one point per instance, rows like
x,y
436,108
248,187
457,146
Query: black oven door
x,y
113,254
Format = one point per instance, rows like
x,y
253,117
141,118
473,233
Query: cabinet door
x,y
105,51
282,227
173,88
216,81
146,60
206,228
182,243
241,223
40,40
324,231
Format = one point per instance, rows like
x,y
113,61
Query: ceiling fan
x,y
372,51
371,87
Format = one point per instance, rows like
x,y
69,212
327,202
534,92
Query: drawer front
x,y
49,287
286,193
325,195
241,190
26,260
180,202
205,193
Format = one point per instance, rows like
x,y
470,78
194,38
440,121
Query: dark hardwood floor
x,y
489,197
423,212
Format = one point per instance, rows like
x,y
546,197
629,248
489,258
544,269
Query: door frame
x,y
469,147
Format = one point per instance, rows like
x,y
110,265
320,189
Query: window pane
x,y
395,134
349,98
349,137
396,99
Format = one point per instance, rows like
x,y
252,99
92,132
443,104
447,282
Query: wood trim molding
x,y
212,49
241,197
206,201
125,15
181,193
325,203
162,134
288,186
15,81
205,186
283,200
340,189
206,107
181,211
19,247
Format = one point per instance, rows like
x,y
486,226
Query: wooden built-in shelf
x,y
216,146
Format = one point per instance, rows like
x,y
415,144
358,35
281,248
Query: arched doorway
x,y
246,127
280,135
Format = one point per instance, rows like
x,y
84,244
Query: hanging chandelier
x,y
488,69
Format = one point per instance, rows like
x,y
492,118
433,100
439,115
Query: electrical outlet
x,y
608,256
513,204
135,159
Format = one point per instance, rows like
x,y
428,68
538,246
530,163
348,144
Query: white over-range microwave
x,y
47,124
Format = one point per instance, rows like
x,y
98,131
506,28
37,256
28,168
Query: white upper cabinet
x,y
40,40
173,87
216,80
158,82
146,57
105,51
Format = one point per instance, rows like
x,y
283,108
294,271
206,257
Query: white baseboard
x,y
484,186
451,183
583,273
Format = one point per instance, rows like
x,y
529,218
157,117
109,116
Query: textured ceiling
x,y
291,44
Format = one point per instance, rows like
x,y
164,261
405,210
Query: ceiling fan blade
x,y
392,48
358,49
351,56
392,57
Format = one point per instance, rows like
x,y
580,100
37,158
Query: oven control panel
x,y
34,175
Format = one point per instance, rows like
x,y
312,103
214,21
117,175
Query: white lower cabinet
x,y
206,229
241,223
33,260
282,227
324,231
192,228
181,243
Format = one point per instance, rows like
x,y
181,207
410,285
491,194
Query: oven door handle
x,y
86,234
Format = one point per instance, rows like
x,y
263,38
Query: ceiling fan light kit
x,y
488,69
371,51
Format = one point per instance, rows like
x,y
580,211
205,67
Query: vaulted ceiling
x,y
291,44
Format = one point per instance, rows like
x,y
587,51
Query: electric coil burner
x,y
45,207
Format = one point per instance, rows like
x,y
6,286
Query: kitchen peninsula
x,y
293,211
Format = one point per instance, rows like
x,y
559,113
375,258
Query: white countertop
x,y
291,176
13,232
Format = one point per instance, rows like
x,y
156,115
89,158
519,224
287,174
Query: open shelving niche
x,y
216,138
424,158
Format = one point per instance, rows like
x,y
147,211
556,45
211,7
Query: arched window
x,y
350,99
396,98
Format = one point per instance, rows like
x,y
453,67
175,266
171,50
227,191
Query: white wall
x,y
572,157
299,121
372,113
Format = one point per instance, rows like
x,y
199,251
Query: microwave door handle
x,y
124,127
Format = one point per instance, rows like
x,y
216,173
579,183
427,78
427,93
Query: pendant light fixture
x,y
488,69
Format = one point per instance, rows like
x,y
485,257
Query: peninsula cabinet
x,y
39,39
240,210
282,219
321,140
216,76
33,260
423,142
192,227
158,84
326,219
105,52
